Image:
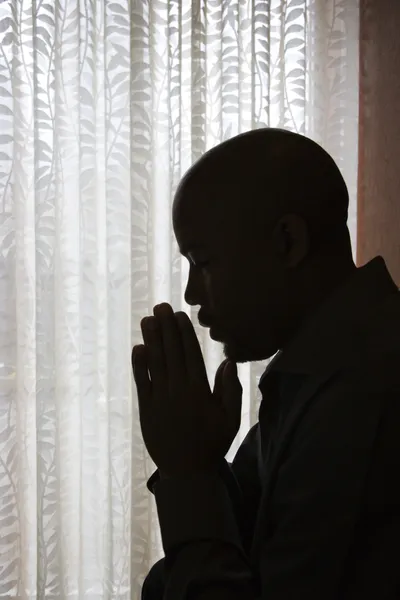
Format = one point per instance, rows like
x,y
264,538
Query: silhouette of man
x,y
310,506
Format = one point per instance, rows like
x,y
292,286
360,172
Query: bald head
x,y
260,175
261,219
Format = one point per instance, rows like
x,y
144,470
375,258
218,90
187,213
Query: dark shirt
x,y
279,403
299,489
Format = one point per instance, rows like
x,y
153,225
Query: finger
x,y
172,344
232,396
154,353
141,376
194,361
218,382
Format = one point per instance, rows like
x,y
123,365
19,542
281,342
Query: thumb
x,y
218,380
232,395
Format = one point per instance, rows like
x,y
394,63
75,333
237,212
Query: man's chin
x,y
237,354
241,355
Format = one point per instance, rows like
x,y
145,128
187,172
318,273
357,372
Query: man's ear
x,y
291,240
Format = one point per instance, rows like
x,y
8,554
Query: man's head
x,y
262,220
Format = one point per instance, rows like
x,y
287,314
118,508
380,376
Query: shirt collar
x,y
332,335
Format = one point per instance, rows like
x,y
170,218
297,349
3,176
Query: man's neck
x,y
320,284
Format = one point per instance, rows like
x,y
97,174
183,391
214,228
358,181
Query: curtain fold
x,y
379,134
104,104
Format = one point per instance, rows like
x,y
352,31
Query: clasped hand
x,y
186,427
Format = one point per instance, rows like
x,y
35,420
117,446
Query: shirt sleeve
x,y
310,526
204,556
233,482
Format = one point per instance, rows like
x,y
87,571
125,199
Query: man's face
x,y
240,285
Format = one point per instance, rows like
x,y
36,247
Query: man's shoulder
x,y
379,344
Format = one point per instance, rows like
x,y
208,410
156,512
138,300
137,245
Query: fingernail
x,y
162,309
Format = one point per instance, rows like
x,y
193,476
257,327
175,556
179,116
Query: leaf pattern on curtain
x,y
104,104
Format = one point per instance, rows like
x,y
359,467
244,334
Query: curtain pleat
x,y
104,104
379,134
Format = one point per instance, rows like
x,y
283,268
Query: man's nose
x,y
194,293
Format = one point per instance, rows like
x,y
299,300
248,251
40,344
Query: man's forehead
x,y
204,210
196,226
192,231
195,211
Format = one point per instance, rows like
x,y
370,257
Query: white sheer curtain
x,y
104,104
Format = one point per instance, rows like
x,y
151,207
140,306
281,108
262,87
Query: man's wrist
x,y
194,506
185,474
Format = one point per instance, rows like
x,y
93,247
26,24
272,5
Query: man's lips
x,y
214,333
204,322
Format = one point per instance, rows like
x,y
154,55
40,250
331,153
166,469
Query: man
x,y
310,506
